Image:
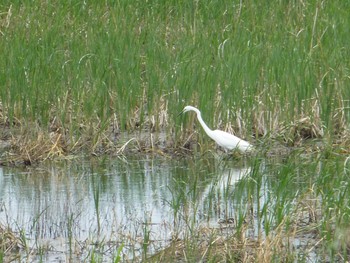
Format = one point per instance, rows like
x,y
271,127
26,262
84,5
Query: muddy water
x,y
64,211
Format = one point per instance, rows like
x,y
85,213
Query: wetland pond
x,y
130,207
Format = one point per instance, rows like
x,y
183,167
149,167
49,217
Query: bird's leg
x,y
227,155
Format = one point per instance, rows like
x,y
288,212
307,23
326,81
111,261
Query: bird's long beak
x,y
180,113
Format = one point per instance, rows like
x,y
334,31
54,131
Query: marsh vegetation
x,y
76,76
107,79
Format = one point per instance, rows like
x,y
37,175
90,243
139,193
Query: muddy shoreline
x,y
19,146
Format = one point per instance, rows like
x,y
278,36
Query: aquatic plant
x,y
69,77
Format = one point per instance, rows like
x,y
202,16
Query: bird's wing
x,y
229,141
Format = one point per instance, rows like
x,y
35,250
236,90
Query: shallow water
x,y
65,211
66,207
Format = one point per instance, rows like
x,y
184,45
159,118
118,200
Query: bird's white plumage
x,y
224,139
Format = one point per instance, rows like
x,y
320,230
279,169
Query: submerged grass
x,y
256,209
292,210
84,73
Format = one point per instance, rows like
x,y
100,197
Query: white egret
x,y
224,139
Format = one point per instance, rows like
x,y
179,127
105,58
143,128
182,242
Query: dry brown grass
x,y
23,142
29,149
9,244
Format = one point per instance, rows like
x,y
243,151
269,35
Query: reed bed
x,y
89,71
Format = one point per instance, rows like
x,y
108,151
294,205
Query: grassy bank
x,y
76,76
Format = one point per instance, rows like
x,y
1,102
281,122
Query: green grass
x,y
256,68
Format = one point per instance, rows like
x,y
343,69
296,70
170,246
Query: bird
x,y
224,139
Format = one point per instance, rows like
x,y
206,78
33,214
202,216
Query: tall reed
x,y
255,69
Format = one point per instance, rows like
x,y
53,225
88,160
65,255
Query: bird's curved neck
x,y
205,127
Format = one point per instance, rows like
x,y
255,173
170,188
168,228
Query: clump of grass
x,y
10,244
29,149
